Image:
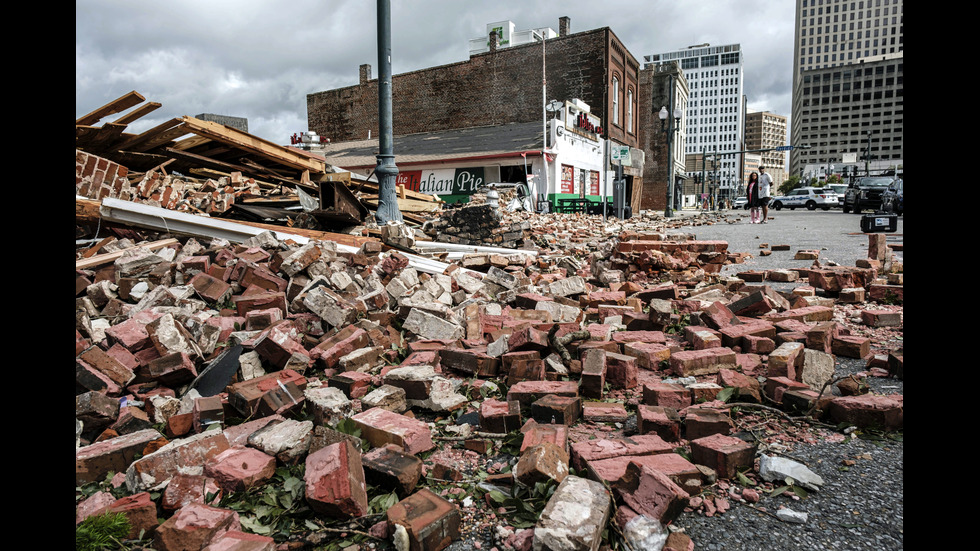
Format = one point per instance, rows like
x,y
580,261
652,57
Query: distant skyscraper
x,y
848,81
715,117
765,130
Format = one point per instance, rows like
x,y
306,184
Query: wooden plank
x,y
135,143
102,140
117,105
97,247
98,260
140,111
191,142
253,144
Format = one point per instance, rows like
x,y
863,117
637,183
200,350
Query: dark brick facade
x,y
654,94
488,89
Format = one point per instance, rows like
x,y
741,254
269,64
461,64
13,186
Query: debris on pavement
x,y
291,390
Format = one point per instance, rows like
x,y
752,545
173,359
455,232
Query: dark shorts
x,y
764,201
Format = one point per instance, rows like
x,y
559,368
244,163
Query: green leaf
x,y
799,491
497,496
726,393
744,480
777,491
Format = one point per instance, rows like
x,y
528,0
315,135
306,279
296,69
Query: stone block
x,y
389,397
288,440
335,484
574,517
817,369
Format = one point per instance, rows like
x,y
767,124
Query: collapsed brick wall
x,y
476,225
98,178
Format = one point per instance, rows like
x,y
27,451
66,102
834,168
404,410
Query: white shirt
x,y
765,181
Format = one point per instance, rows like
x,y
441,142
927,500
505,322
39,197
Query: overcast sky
x,y
259,59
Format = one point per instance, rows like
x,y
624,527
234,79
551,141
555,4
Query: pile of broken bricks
x,y
203,367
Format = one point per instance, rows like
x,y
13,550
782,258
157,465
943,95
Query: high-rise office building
x,y
848,81
765,130
715,117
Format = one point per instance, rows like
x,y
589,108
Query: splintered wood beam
x,y
191,142
117,105
108,134
253,144
206,161
138,143
138,112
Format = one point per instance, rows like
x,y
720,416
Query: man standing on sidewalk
x,y
765,184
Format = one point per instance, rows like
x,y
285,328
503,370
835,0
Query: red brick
x,y
881,318
239,468
725,454
330,350
246,396
776,386
535,433
652,493
432,523
648,355
194,526
471,362
551,408
666,395
95,461
785,361
590,450
185,489
851,346
335,484
381,427
702,362
540,463
701,422
621,371
392,469
664,422
869,410
140,511
526,392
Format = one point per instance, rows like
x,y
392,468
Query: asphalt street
x,y
836,235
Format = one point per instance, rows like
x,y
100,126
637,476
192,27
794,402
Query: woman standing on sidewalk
x,y
752,194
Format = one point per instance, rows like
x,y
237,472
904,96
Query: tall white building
x,y
848,84
715,117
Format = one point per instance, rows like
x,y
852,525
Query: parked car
x,y
741,203
892,200
840,190
809,197
865,193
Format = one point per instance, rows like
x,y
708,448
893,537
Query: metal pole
x,y
669,209
386,171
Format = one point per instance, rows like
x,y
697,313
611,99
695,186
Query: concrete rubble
x,y
613,352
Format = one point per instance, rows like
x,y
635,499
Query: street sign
x,y
784,148
620,153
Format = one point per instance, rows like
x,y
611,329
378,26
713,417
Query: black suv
x,y
865,193
893,199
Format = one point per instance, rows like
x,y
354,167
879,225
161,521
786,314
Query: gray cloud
x,y
259,59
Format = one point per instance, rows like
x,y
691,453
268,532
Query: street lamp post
x,y
670,127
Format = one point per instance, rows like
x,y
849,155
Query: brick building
x,y
498,87
662,85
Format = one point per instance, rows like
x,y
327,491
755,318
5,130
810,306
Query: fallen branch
x,y
562,341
